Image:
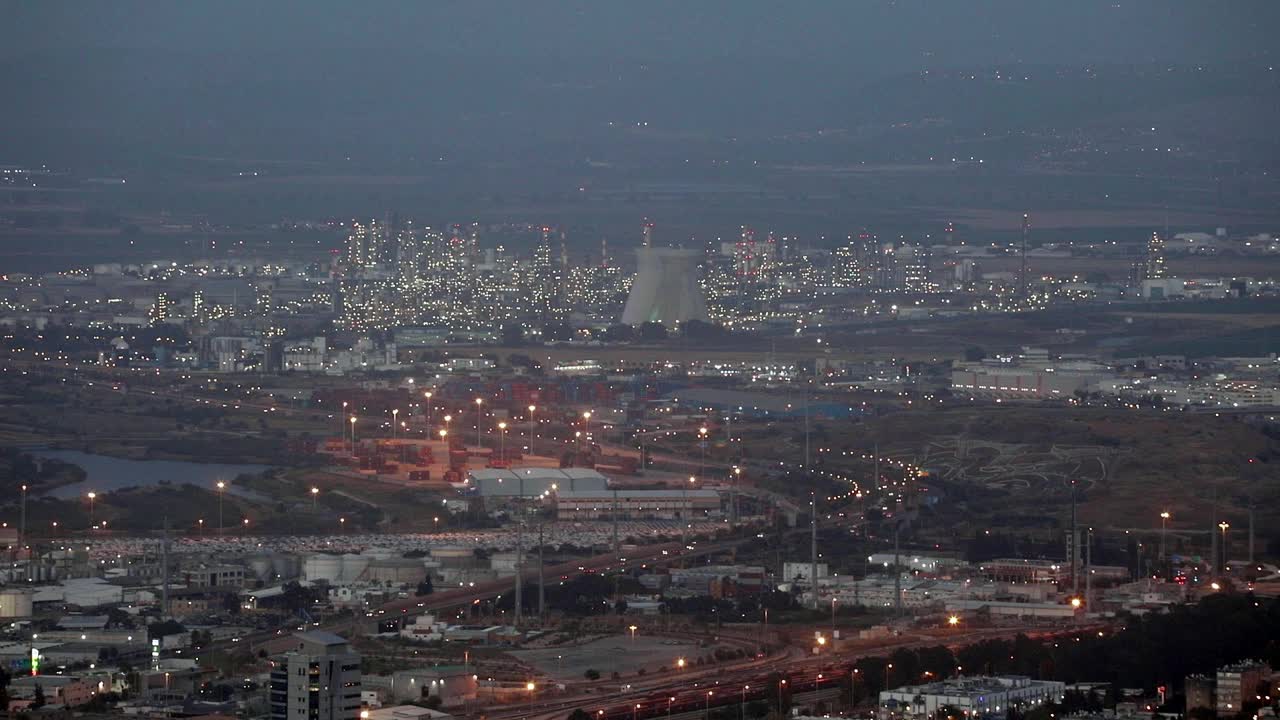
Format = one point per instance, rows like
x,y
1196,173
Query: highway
x,y
693,692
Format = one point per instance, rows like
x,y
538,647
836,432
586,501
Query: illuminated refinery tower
x,y
665,289
1155,269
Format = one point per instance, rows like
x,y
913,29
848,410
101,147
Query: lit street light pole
x,y
221,487
479,404
315,493
395,418
502,441
1224,526
92,496
532,428
428,395
22,521
702,442
1164,520
342,427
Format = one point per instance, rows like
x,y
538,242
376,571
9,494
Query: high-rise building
x,y
318,681
854,263
1155,269
913,263
198,308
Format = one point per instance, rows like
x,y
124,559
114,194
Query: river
x,y
104,473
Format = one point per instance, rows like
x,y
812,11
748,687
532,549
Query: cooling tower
x,y
665,289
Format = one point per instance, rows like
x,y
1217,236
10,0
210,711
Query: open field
x,y
1007,462
606,655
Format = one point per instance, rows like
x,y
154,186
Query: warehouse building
x,y
984,696
635,504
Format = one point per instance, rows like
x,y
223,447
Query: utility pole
x,y
897,571
813,546
542,595
164,570
519,570
1214,567
22,523
1088,569
875,473
806,431
617,547
1023,286
1075,544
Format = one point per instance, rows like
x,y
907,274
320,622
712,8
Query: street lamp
x,y
702,442
315,492
343,428
633,629
395,418
953,621
479,403
502,442
532,428
92,496
353,434
742,707
221,487
679,663
22,523
1224,526
586,423
200,524
444,434
1164,520
428,395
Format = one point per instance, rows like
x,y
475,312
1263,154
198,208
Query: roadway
x,y
693,692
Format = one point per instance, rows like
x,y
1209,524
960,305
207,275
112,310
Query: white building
x,y
984,696
318,681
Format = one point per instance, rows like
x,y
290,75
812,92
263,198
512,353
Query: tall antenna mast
x,y
1023,285
813,545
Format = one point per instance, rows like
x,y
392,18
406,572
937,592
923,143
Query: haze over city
x,y
601,361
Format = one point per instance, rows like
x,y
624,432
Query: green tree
x,y
652,332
